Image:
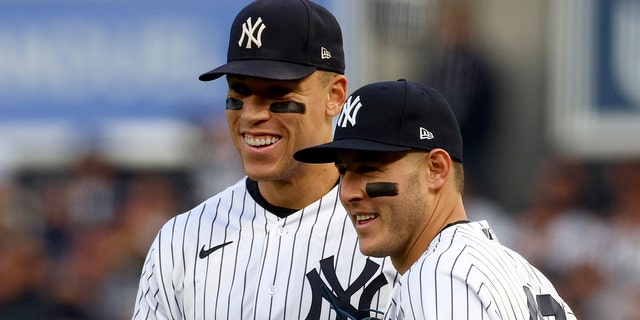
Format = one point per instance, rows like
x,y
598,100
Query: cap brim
x,y
268,69
327,153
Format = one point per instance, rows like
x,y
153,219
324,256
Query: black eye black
x,y
288,107
234,104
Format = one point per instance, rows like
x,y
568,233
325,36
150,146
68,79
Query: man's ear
x,y
337,95
439,163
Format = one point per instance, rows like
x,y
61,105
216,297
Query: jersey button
x,y
272,290
282,231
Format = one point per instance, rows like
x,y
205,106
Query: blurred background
x,y
106,133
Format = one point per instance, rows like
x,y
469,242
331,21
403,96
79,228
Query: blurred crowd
x,y
581,227
72,243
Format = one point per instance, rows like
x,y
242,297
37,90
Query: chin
x,y
372,251
260,174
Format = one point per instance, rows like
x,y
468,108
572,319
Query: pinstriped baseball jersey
x,y
467,274
230,258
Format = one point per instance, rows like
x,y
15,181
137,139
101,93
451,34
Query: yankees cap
x,y
391,116
282,40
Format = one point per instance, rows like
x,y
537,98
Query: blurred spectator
x,y
459,71
151,199
22,256
79,207
58,229
97,276
620,298
74,280
91,194
561,236
22,271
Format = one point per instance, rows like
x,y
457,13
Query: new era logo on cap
x,y
425,134
324,53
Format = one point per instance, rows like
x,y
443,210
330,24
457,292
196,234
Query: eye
x,y
278,92
366,169
239,89
360,169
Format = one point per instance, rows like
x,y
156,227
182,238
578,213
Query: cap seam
x,y
404,112
309,25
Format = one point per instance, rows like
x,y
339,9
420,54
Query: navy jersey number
x,y
543,305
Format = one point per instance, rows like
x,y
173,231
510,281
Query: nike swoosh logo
x,y
205,253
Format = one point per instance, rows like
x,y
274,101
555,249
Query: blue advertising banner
x,y
80,72
617,31
88,60
595,78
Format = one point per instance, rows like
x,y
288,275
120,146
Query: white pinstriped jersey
x,y
264,267
467,274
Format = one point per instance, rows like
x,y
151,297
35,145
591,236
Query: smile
x,y
260,141
364,217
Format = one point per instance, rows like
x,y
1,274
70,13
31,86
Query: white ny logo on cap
x,y
249,30
349,112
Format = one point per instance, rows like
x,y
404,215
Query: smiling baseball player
x,y
278,244
402,187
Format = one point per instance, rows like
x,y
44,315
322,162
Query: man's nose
x,y
351,187
256,109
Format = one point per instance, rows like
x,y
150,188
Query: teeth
x,y
256,142
361,218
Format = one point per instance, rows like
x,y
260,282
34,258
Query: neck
x,y
440,218
302,190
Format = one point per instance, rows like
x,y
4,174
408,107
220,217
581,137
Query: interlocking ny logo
x,y
339,297
249,29
349,112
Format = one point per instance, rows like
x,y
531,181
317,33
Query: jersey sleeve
x,y
450,297
150,304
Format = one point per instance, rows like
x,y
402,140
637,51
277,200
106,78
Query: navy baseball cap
x,y
282,40
391,116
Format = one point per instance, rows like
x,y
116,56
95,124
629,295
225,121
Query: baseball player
x,y
402,187
277,244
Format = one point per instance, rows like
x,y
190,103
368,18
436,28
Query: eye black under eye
x,y
234,104
288,107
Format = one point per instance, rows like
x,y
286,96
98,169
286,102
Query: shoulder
x,y
460,250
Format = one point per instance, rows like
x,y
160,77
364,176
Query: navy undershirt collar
x,y
254,191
